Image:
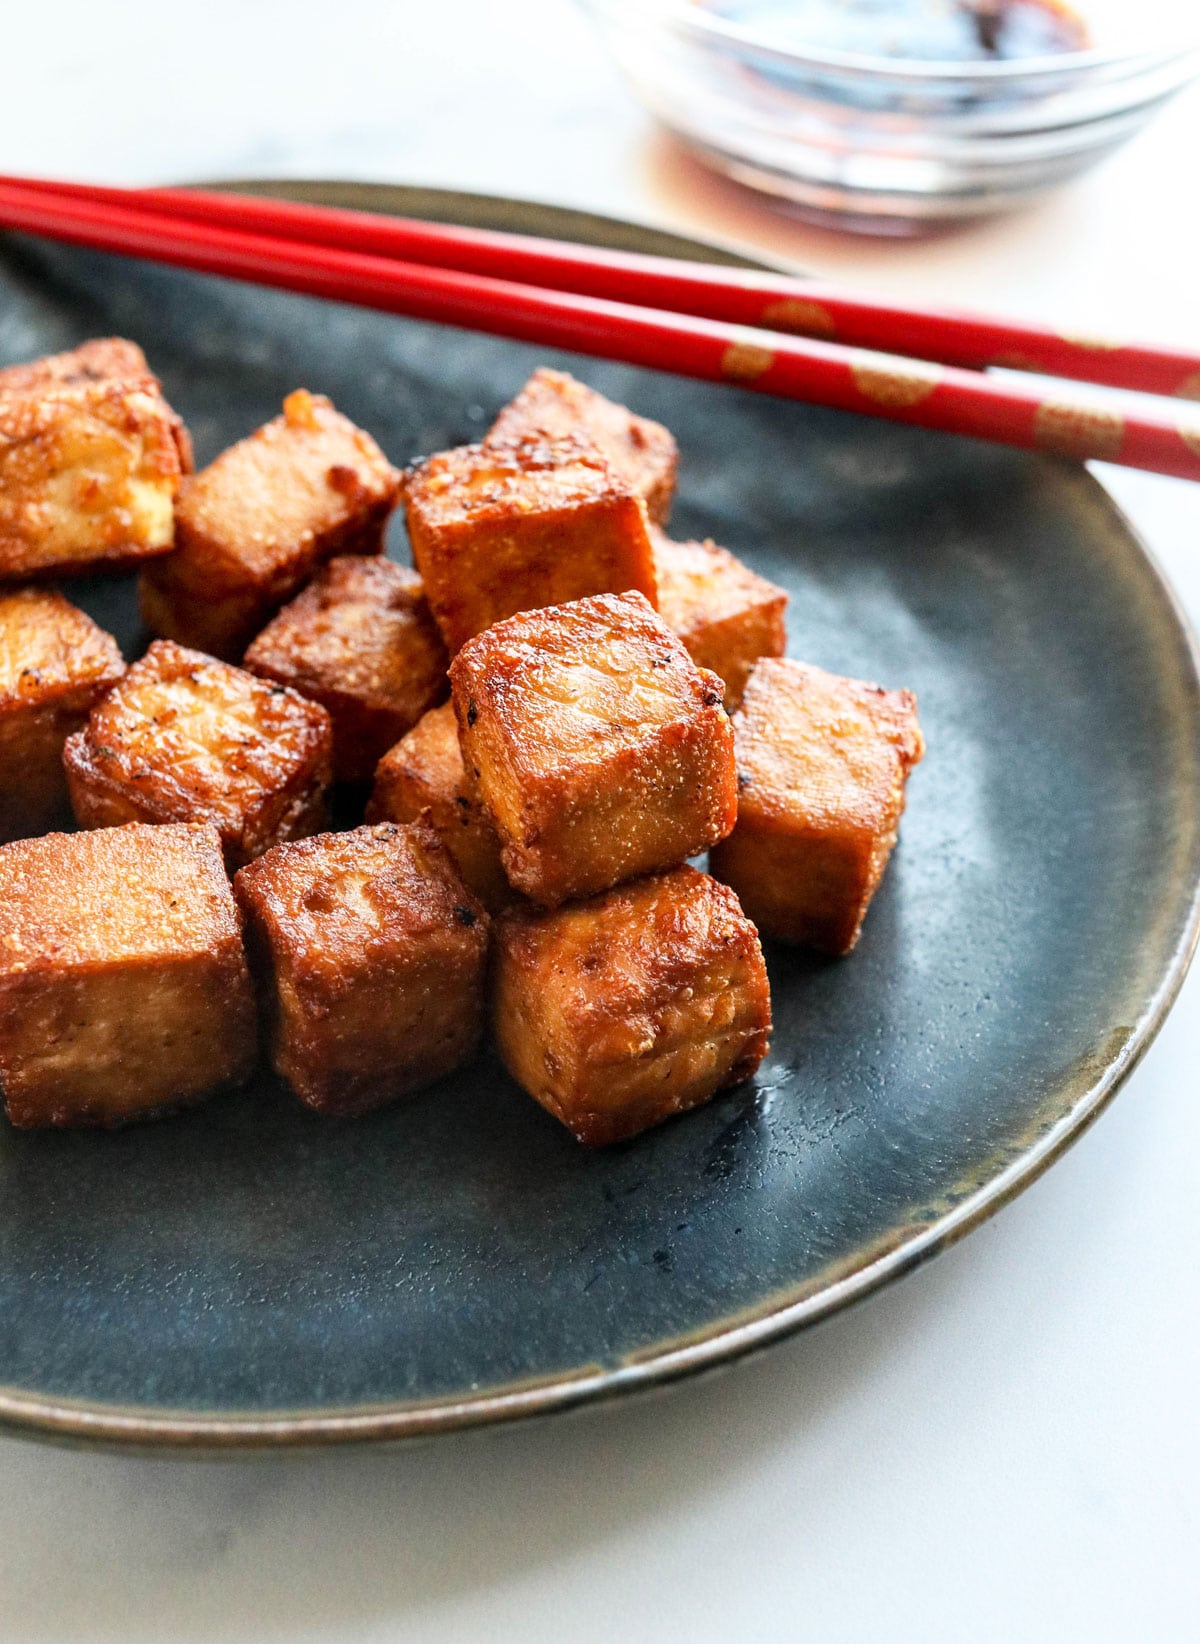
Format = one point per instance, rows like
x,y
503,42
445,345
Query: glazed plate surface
x,y
250,1274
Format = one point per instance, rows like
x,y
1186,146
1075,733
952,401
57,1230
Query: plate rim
x,y
95,1423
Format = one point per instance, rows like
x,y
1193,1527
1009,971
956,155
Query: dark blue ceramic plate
x,y
249,1274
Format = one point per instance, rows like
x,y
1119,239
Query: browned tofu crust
x,y
822,767
361,641
124,989
425,772
91,456
259,520
496,530
618,1012
371,956
725,613
100,359
553,405
184,738
55,665
600,750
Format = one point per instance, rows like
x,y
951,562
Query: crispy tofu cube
x,y
725,613
371,953
184,738
495,531
255,524
618,1012
55,665
361,641
822,767
124,988
91,456
601,751
425,772
553,405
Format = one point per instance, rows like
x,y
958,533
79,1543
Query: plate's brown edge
x,y
74,1422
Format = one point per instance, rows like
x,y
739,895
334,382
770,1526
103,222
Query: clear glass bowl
x,y
888,144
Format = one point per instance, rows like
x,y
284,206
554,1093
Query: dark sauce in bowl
x,y
945,31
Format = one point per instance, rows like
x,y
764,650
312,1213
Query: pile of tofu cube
x,y
537,717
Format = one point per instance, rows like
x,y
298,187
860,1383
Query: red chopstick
x,y
777,302
1164,440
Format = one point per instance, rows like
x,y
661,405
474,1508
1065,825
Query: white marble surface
x,y
1003,1447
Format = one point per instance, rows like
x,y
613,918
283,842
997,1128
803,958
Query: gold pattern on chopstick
x,y
1189,388
1189,433
747,358
889,380
1074,430
1016,361
798,314
1094,345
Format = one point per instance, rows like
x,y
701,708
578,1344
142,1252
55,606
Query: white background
x,y
1003,1447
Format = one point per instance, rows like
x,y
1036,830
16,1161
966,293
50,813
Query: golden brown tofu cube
x,y
618,1012
725,613
822,767
601,751
123,985
553,405
371,954
495,531
91,456
55,665
425,772
255,524
184,738
360,640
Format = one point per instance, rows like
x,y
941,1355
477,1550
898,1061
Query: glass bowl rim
x,y
704,25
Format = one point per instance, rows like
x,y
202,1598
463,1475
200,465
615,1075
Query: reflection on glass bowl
x,y
783,95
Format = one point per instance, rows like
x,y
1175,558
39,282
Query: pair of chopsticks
x,y
793,338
